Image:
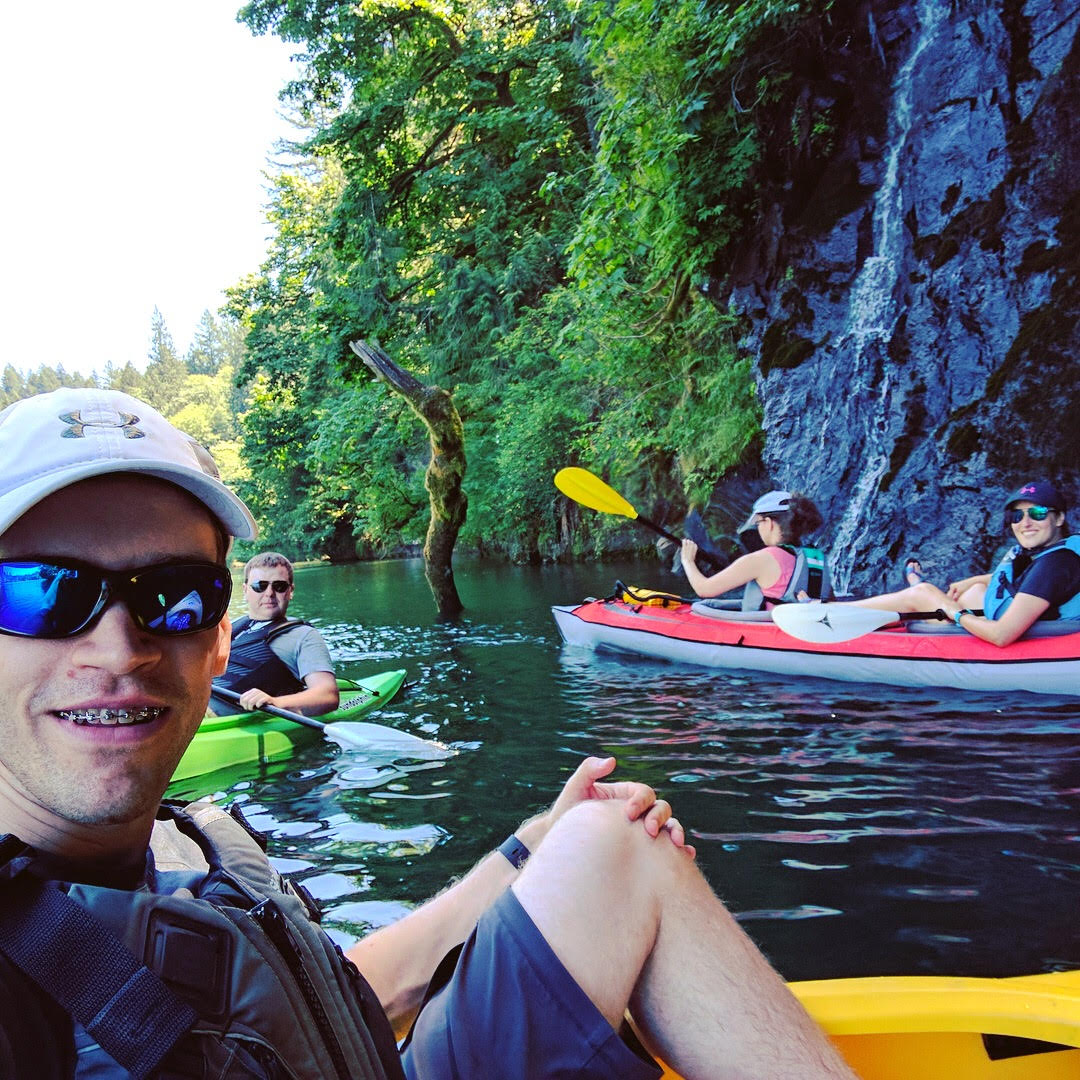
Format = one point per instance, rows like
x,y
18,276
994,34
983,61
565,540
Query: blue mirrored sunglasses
x,y
61,599
1036,513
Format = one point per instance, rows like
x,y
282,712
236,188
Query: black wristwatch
x,y
516,852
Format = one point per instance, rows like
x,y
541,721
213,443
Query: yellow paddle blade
x,y
588,489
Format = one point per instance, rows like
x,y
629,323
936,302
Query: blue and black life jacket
x,y
1004,584
253,663
223,972
810,575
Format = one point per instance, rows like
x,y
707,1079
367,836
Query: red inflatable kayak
x,y
1046,660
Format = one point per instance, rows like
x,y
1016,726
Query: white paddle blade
x,y
386,742
824,624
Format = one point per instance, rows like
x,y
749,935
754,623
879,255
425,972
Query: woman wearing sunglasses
x,y
1039,577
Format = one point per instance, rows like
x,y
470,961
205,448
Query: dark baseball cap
x,y
1040,492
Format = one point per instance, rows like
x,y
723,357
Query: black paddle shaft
x,y
273,710
704,556
914,616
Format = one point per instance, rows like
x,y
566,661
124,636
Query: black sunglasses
x,y
1036,513
62,599
277,586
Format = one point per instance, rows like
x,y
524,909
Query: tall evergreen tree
x,y
12,385
45,379
127,379
207,351
163,381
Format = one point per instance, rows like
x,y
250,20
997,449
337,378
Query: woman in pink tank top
x,y
785,560
781,518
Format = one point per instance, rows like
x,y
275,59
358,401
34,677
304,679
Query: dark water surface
x,y
856,829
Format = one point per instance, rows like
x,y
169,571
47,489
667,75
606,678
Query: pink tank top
x,y
786,561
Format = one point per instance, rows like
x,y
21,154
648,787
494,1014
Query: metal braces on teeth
x,y
110,717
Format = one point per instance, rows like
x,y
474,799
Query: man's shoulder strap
x,y
267,632
228,842
283,627
87,970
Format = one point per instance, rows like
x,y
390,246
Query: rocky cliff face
x,y
914,314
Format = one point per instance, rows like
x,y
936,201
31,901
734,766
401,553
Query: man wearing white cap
x,y
138,940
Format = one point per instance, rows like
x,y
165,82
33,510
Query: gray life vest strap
x,y
254,988
252,661
84,967
810,573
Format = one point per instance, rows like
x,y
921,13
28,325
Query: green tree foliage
x,y
207,351
285,313
519,202
446,122
203,395
12,385
688,96
165,374
205,413
127,379
15,384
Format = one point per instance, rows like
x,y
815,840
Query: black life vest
x,y
253,663
226,976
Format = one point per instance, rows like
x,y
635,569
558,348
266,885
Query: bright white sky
x,y
136,134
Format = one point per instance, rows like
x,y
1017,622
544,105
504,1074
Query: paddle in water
x,y
589,490
357,735
825,624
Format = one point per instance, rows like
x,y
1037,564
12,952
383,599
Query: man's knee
x,y
599,832
602,820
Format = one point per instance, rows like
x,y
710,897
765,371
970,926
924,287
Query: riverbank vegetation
x,y
524,204
532,205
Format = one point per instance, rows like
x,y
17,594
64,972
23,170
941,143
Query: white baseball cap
x,y
54,440
772,502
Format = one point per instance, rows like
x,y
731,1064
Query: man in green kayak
x,y
141,940
275,660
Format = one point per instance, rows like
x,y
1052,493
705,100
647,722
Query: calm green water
x,y
855,829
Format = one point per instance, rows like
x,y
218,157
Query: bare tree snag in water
x,y
445,471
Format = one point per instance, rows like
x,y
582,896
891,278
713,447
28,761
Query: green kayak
x,y
248,738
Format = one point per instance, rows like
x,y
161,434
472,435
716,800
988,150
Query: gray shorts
x,y
510,1011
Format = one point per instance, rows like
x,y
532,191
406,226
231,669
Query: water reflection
x,y
855,829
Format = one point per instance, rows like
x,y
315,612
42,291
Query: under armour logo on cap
x,y
77,425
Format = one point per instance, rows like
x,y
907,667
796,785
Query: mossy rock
x,y
782,348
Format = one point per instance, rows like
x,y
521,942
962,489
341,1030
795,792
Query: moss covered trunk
x,y
445,472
